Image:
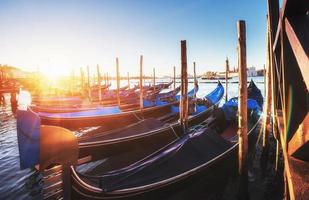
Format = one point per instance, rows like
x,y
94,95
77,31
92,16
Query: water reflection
x,y
13,103
15,183
34,184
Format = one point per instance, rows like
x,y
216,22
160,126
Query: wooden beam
x,y
298,145
299,52
292,7
276,39
280,122
273,18
242,98
283,72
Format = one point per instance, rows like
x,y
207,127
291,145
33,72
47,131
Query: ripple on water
x,y
15,183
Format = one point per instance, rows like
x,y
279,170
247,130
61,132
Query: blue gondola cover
x,y
216,95
230,107
97,112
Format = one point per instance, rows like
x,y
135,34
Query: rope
x,y
177,136
138,118
196,128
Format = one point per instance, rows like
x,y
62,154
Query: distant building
x,y
260,72
13,72
251,72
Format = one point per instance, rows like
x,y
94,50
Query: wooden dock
x,y
289,67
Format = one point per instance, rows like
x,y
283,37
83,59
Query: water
x,y
15,183
26,184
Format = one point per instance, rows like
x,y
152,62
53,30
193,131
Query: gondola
x,y
108,97
95,88
60,100
158,86
163,170
84,107
107,116
183,160
148,131
131,96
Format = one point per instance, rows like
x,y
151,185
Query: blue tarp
x,y
230,107
175,109
190,93
96,112
28,135
215,96
199,109
254,102
158,102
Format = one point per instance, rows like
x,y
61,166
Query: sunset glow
x,y
58,36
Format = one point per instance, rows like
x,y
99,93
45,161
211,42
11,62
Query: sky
x,y
60,36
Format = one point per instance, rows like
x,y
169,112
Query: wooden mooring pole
x,y
72,82
184,103
195,80
174,78
88,80
14,102
242,95
242,110
107,78
118,81
128,79
141,101
104,77
154,79
93,79
270,35
99,84
227,69
264,71
267,106
82,79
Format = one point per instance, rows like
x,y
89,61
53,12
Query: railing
x,y
289,58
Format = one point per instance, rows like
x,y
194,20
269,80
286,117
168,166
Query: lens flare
x,y
289,111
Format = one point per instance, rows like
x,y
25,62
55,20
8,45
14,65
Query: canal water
x,y
26,184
